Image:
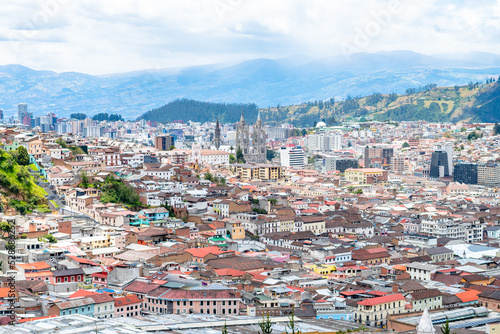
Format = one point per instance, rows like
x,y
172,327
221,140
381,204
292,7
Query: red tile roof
x,y
229,272
140,287
468,296
381,300
34,266
82,293
127,300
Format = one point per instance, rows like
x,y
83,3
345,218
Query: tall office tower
x,y
292,157
1,116
465,173
439,165
22,110
163,142
448,148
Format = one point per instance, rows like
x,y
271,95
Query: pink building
x,y
176,301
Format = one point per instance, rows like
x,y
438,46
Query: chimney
x,y
395,288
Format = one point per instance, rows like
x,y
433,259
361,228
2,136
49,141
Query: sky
x,y
111,36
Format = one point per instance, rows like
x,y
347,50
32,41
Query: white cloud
x,y
124,35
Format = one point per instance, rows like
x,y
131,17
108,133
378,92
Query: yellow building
x,y
323,269
89,243
236,230
366,175
287,225
263,172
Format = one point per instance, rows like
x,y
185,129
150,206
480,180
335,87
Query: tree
x,y
358,191
50,238
5,227
445,329
224,329
405,144
232,159
496,129
61,143
290,325
239,156
266,326
259,211
172,147
79,116
85,180
270,154
23,157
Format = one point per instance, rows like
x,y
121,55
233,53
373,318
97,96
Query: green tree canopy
x,y
23,157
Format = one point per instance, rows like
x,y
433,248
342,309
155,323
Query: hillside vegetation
x,y
191,110
474,102
18,188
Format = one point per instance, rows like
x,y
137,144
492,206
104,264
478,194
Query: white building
x,y
444,227
324,142
421,271
292,157
211,157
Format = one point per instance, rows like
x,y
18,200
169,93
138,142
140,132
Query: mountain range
x,y
265,82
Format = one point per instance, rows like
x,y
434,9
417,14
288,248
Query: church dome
x,y
321,125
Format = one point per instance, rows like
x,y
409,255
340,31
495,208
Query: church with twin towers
x,y
253,146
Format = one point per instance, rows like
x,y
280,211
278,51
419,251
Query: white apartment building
x,y
324,142
445,227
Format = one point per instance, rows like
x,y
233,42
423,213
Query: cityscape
x,y
259,184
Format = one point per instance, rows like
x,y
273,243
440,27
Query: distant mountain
x,y
473,102
188,110
264,82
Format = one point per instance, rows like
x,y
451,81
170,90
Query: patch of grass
x,y
54,204
34,168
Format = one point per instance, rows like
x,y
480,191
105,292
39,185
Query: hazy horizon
x,y
110,37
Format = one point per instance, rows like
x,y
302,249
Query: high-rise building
x,y
488,174
383,153
292,157
448,148
324,142
398,165
163,142
22,110
439,165
465,173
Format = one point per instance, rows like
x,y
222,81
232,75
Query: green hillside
x,y
473,102
18,188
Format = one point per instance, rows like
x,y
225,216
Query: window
x,y
65,279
